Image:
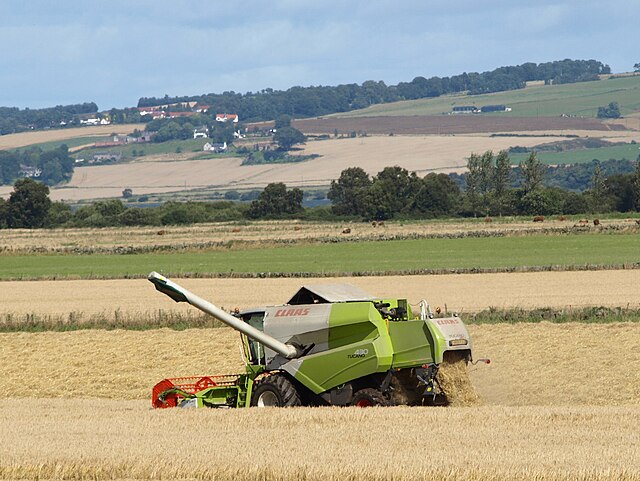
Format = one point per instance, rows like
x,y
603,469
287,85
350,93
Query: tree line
x,y
269,104
13,119
392,193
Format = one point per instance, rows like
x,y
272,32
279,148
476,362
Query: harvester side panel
x,y
411,342
325,370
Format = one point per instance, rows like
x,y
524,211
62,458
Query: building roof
x,y
323,293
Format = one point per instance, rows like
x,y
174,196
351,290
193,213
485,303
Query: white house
x,y
201,133
209,147
227,117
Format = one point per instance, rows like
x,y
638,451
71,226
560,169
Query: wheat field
x,y
463,293
540,364
107,440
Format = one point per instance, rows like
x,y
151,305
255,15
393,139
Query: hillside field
x,y
420,154
577,99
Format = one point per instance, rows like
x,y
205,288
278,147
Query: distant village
x,y
159,112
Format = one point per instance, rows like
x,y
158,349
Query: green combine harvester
x,y
329,345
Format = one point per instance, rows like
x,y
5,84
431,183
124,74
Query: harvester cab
x,y
329,344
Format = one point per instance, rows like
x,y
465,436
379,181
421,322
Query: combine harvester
x,y
329,345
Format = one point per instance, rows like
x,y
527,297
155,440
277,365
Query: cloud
x,y
114,52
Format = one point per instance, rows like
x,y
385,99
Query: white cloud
x,y
114,52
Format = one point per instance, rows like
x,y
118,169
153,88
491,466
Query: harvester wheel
x,y
368,397
276,390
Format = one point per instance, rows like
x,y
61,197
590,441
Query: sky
x,y
114,52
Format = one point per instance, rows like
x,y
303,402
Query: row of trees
x,y
393,192
53,165
269,104
13,119
489,189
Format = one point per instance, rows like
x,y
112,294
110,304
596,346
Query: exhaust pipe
x,y
180,294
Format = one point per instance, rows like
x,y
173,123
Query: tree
x,y
611,111
636,67
532,173
283,121
437,196
276,201
28,204
636,184
598,192
347,194
472,182
287,137
501,179
395,188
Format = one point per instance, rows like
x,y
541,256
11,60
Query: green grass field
x,y
75,142
629,152
381,256
580,99
152,148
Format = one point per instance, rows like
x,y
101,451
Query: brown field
x,y
13,141
98,439
464,293
422,154
269,232
448,124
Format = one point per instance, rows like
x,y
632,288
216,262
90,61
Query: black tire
x,y
368,397
276,390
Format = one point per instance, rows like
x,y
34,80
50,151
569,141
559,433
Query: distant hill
x,y
575,100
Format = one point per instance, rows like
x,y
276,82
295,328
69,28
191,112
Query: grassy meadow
x,y
579,99
397,256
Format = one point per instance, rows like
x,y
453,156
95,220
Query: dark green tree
x,y
472,184
276,201
532,173
501,180
437,196
636,184
611,111
598,191
348,193
394,188
28,204
282,121
287,137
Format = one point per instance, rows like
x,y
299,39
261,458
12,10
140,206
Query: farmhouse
x,y
465,109
106,156
495,108
200,133
209,147
227,118
29,171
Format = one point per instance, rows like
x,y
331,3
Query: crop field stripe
x,y
362,258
